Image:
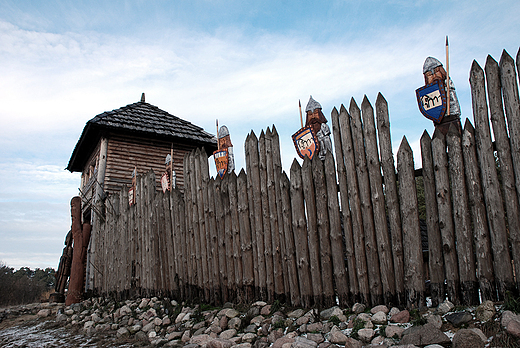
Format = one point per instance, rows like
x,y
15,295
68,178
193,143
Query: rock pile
x,y
164,322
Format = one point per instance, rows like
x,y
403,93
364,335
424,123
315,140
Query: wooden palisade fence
x,y
266,235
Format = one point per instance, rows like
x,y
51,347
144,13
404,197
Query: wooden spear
x,y
448,75
218,142
301,117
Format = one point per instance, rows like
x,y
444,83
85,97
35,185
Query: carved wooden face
x,y
439,74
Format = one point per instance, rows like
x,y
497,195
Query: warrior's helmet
x,y
312,105
430,64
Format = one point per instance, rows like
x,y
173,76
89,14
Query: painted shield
x,y
221,161
305,142
432,101
165,184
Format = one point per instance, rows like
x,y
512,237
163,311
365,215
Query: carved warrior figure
x,y
433,71
317,121
224,142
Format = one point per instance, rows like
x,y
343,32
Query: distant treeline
x,y
24,285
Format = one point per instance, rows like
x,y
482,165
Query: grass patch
x,y
334,320
416,319
358,325
511,303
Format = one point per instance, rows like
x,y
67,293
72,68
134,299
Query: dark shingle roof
x,y
141,119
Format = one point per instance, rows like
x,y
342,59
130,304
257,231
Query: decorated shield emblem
x,y
221,161
165,184
432,101
305,142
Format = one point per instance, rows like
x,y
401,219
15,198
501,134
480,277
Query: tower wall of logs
x,y
342,230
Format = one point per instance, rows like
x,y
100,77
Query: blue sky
x,y
246,63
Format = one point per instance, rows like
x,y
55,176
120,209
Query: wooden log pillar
x,y
299,225
378,203
462,220
412,247
490,184
323,225
435,258
290,247
442,187
374,275
268,245
214,265
312,232
254,172
336,240
235,236
81,237
246,247
391,194
482,240
346,215
228,237
221,228
355,207
251,209
279,288
503,147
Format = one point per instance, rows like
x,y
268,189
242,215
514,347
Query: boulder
x,y
394,331
358,308
513,328
366,335
219,343
400,317
465,338
379,318
380,308
337,337
424,335
458,318
485,311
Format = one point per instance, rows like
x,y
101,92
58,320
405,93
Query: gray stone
x,y
134,328
315,327
513,328
358,308
327,313
393,311
507,316
43,313
465,338
248,337
200,339
435,320
459,318
394,331
424,335
61,317
379,318
296,313
232,313
122,332
318,338
243,345
302,320
352,343
380,308
366,335
274,335
141,336
219,343
281,341
400,317
445,307
336,336
302,342
234,323
148,327
226,335
175,335
485,311
250,328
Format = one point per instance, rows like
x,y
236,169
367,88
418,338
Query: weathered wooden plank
x,y
254,172
262,166
323,229
391,194
246,247
228,236
277,171
221,228
505,159
444,207
336,240
490,183
279,290
251,208
378,203
462,220
355,206
312,231
345,209
412,248
482,242
374,276
235,235
509,83
213,246
299,225
290,248
202,215
435,259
